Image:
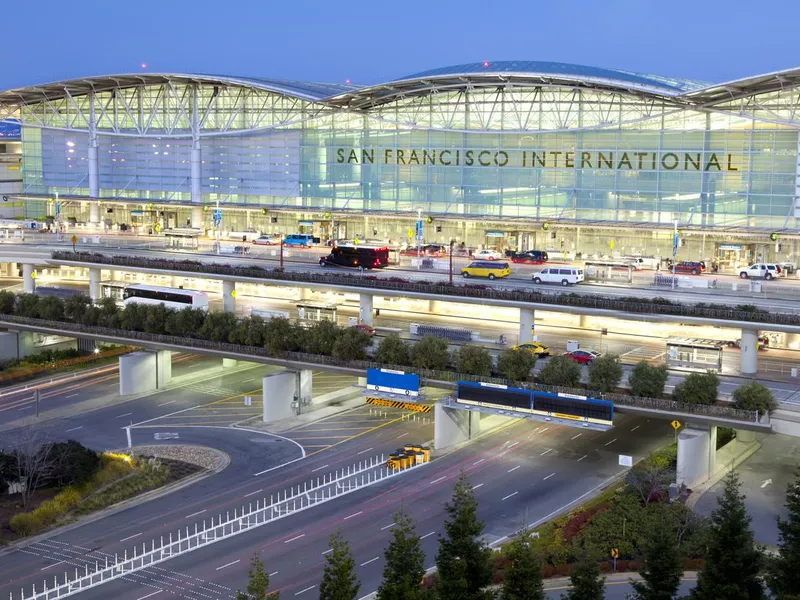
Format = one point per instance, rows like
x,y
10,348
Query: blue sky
x,y
369,42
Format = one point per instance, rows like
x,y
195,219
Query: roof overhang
x,y
748,86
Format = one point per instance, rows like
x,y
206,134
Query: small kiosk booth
x,y
692,353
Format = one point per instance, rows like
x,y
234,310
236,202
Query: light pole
x,y
674,251
419,239
452,243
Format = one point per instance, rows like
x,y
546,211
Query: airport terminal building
x,y
504,154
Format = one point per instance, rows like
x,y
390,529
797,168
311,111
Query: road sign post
x,y
676,425
36,397
248,401
614,557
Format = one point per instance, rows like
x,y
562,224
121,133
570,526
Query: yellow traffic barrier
x,y
424,408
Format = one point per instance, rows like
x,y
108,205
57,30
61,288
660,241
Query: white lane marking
x,y
427,535
53,565
371,560
273,574
199,512
353,515
611,442
165,403
548,477
130,537
512,445
475,487
545,429
510,495
402,435
151,594
362,452
72,395
582,457
328,551
392,524
477,462
73,429
297,537
635,428
514,469
442,478
575,437
305,590
246,380
251,493
229,564
319,468
546,451
26,408
125,415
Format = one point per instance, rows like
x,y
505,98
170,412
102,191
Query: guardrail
x,y
427,375
290,502
656,306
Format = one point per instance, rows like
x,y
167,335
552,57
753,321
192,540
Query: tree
x,y
51,308
783,574
339,581
405,562
74,463
473,360
431,353
605,373
523,578
257,582
463,558
733,562
561,371
697,388
393,351
649,479
516,364
754,396
661,574
279,336
27,306
321,337
585,581
34,462
648,381
351,345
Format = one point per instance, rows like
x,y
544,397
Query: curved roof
x,y
299,89
565,70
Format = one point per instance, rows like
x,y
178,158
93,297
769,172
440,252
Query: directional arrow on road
x,y
765,483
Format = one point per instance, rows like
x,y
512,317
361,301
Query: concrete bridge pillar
x,y
144,371
197,217
749,352
229,296
94,284
229,363
526,322
453,426
697,455
365,310
28,279
284,394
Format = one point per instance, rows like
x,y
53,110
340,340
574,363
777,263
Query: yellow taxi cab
x,y
534,348
485,268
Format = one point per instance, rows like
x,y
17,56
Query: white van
x,y
563,275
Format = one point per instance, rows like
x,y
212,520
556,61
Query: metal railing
x,y
656,306
290,502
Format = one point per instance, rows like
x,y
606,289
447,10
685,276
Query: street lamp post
x,y
419,238
452,243
674,251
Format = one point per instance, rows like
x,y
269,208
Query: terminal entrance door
x,y
732,256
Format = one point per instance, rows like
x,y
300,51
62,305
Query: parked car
x,y
761,344
436,250
760,271
490,269
530,257
534,348
267,240
583,357
487,254
563,275
692,267
364,328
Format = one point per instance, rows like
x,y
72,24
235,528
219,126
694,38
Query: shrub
x,y
473,360
697,388
516,364
561,371
647,380
351,345
605,373
7,300
431,353
754,396
25,524
393,351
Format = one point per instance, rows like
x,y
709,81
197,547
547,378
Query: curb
x,y
721,472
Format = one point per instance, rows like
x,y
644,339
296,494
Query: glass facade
x,y
523,152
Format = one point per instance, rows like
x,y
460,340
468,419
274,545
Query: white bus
x,y
170,297
269,314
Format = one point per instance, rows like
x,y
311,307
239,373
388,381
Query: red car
x,y
583,357
364,328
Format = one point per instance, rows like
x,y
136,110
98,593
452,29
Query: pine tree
x,y
661,574
585,581
732,561
257,582
463,559
339,581
784,570
523,579
405,562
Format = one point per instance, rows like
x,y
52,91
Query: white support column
x,y
526,331
197,217
452,426
229,296
749,352
93,164
94,284
163,368
28,279
697,455
278,391
196,156
229,363
365,310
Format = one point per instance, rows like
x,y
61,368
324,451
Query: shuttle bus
x,y
175,298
